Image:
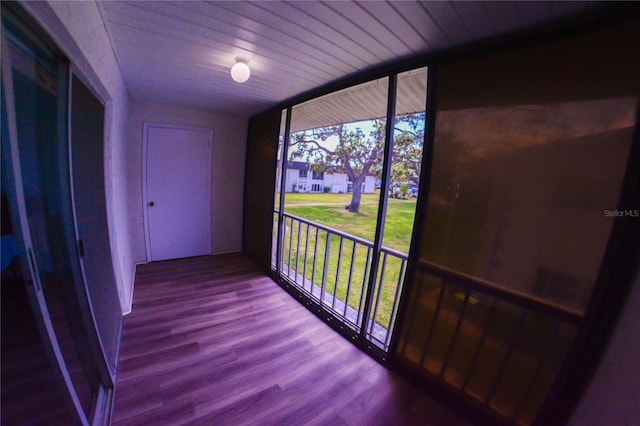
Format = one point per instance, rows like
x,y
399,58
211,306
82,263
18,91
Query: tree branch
x,y
414,134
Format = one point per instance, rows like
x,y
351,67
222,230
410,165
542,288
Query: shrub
x,y
404,188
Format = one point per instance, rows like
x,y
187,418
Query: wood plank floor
x,y
213,341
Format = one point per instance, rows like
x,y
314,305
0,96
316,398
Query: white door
x,y
178,191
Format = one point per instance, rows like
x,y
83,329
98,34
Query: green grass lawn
x,y
293,198
328,210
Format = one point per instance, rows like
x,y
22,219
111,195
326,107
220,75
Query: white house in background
x,y
302,178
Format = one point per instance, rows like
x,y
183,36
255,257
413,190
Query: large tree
x,y
407,148
359,155
355,154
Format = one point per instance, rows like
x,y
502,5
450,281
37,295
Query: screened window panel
x,y
529,156
530,151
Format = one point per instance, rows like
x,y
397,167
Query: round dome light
x,y
240,72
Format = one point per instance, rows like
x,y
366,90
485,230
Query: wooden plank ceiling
x,y
362,102
181,52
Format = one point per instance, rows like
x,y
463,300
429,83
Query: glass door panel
x,y
39,85
25,368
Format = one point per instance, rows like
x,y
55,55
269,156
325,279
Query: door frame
x,y
145,200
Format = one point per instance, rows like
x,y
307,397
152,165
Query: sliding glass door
x,y
35,83
347,180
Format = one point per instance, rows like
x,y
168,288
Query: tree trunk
x,y
356,195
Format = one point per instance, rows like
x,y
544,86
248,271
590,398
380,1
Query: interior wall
x,y
229,143
78,29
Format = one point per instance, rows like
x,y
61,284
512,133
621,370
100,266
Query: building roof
x,y
297,165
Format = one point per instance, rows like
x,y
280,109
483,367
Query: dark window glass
x,y
530,151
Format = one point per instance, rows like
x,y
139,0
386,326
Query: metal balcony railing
x,y
333,268
498,347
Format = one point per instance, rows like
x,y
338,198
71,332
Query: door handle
x,y
151,204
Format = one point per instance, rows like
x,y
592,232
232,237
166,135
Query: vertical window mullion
x,y
384,194
421,208
283,183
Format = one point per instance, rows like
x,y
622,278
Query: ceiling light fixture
x,y
240,71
